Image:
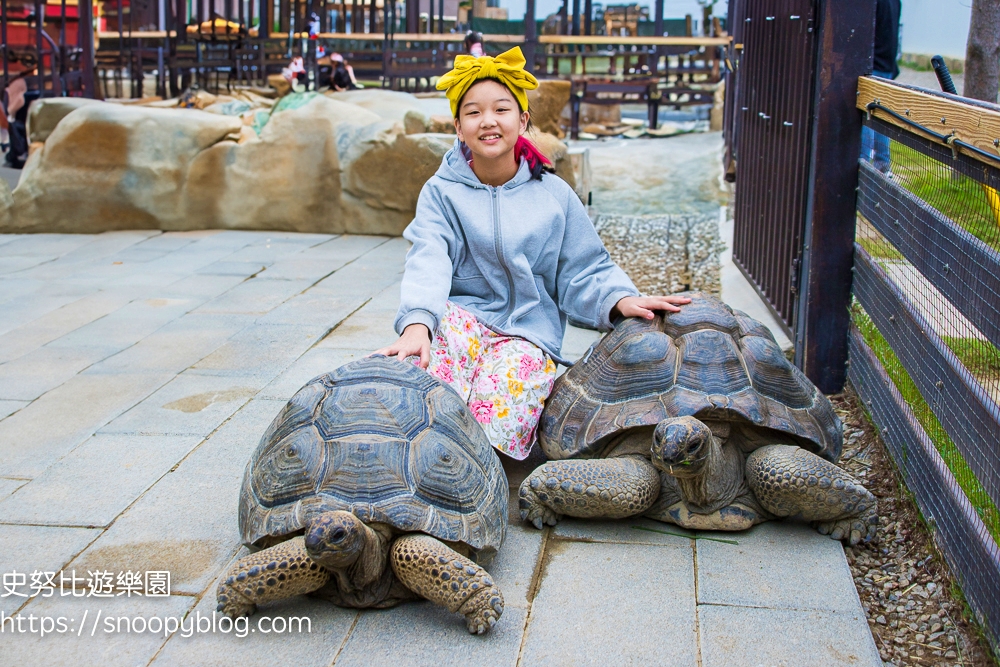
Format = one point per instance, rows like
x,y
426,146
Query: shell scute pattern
x,y
770,372
291,468
386,441
706,361
711,363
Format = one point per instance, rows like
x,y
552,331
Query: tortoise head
x,y
681,446
335,540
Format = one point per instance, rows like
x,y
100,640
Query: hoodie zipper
x,y
498,246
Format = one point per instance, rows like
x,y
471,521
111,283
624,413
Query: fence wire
x,y
927,303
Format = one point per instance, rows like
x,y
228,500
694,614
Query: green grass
x,y
957,197
975,352
880,249
981,357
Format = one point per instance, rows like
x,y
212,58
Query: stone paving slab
x,y
782,565
29,376
7,408
315,362
109,645
650,589
187,523
425,635
202,333
74,492
9,485
26,549
261,351
626,531
260,646
742,636
62,321
66,416
190,404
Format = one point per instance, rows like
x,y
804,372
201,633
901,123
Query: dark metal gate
x,y
773,105
793,141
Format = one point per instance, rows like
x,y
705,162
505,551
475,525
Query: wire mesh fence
x,y
924,354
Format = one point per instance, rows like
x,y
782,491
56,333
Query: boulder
x,y
415,122
45,114
392,105
281,85
442,125
108,166
546,104
556,151
317,165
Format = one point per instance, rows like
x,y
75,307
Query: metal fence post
x,y
846,43
530,38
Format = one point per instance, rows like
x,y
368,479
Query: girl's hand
x,y
415,341
643,306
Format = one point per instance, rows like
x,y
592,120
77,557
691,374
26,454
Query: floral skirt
x,y
504,379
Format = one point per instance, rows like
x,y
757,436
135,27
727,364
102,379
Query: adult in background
x,y
874,146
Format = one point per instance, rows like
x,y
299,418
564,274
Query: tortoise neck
x,y
716,483
370,563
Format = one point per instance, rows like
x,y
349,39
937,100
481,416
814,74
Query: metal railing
x,y
925,335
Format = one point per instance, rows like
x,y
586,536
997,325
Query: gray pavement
x,y
137,373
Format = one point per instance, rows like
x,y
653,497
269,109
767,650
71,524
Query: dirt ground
x,y
915,609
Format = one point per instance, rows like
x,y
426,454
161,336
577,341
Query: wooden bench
x,y
634,91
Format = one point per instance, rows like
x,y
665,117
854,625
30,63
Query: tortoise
x,y
373,485
694,418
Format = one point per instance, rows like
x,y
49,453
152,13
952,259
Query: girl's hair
x,y
523,148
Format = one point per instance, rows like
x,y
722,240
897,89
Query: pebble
x,y
664,254
901,590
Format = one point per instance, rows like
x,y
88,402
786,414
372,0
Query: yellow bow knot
x,y
508,67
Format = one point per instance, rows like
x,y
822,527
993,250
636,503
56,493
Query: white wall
x,y
935,27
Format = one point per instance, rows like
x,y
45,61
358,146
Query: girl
x,y
502,256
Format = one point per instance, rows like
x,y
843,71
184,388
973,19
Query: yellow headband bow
x,y
508,67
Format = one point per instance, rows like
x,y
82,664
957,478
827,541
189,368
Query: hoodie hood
x,y
455,168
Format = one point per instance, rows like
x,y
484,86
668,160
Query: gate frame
x,y
822,317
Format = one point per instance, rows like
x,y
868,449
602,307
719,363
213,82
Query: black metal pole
x,y
588,17
576,17
441,16
846,38
564,18
530,36
658,30
39,29
3,38
85,36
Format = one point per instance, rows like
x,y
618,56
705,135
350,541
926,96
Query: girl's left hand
x,y
643,306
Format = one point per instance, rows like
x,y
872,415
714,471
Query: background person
x,y
875,146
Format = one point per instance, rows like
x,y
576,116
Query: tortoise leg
x,y
437,573
282,571
790,481
605,488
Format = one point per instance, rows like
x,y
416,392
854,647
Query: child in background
x,y
503,254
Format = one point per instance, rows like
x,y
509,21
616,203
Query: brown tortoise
x,y
372,486
694,418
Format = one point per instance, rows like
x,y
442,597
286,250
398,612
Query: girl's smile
x,y
489,122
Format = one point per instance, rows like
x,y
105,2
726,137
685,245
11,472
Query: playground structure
x,y
162,48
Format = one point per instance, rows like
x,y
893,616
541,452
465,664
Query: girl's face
x,y
489,120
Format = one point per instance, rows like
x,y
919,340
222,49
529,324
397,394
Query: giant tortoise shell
x,y
386,441
707,361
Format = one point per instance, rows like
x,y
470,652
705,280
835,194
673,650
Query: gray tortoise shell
x,y
707,361
386,441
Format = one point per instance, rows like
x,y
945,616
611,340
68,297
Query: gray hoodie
x,y
521,257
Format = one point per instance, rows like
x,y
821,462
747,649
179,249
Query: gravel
x,y
665,254
905,587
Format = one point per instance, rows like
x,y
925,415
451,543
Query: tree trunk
x,y
982,54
